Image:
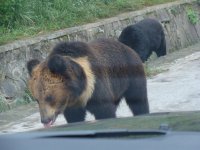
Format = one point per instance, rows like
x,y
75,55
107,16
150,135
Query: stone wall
x,y
179,32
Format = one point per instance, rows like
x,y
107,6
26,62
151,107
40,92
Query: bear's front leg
x,y
74,114
102,110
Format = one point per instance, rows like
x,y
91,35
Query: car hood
x,y
173,121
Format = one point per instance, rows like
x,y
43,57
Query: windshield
x,y
127,71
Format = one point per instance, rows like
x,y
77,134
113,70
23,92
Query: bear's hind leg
x,y
136,97
162,48
75,114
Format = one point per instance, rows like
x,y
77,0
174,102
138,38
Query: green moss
x,y
174,11
192,16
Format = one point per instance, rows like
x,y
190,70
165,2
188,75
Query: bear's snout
x,y
46,120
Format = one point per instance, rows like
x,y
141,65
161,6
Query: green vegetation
x,y
26,18
26,98
174,11
192,16
6,105
150,72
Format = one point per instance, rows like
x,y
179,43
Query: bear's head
x,y
55,84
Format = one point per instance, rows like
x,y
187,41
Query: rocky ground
x,y
175,89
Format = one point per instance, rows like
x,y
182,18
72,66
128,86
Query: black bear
x,y
94,76
145,37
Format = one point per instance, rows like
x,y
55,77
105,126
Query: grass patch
x,y
7,105
26,18
150,72
26,98
192,16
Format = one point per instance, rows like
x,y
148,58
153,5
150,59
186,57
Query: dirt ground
x,y
175,89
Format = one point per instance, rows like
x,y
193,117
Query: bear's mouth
x,y
50,123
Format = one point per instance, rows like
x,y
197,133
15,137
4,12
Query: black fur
x,y
75,114
78,84
73,49
57,64
31,64
145,37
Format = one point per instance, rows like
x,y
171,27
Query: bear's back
x,y
71,49
111,53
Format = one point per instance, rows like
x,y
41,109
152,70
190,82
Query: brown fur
x,y
102,72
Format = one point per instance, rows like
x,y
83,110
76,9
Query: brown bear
x,y
94,76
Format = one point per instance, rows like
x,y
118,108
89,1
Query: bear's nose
x,y
45,120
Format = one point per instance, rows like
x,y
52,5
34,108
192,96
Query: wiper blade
x,y
105,133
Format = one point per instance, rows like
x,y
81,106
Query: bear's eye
x,y
49,99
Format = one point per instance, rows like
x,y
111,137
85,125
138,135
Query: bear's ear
x,y
70,70
31,65
57,64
